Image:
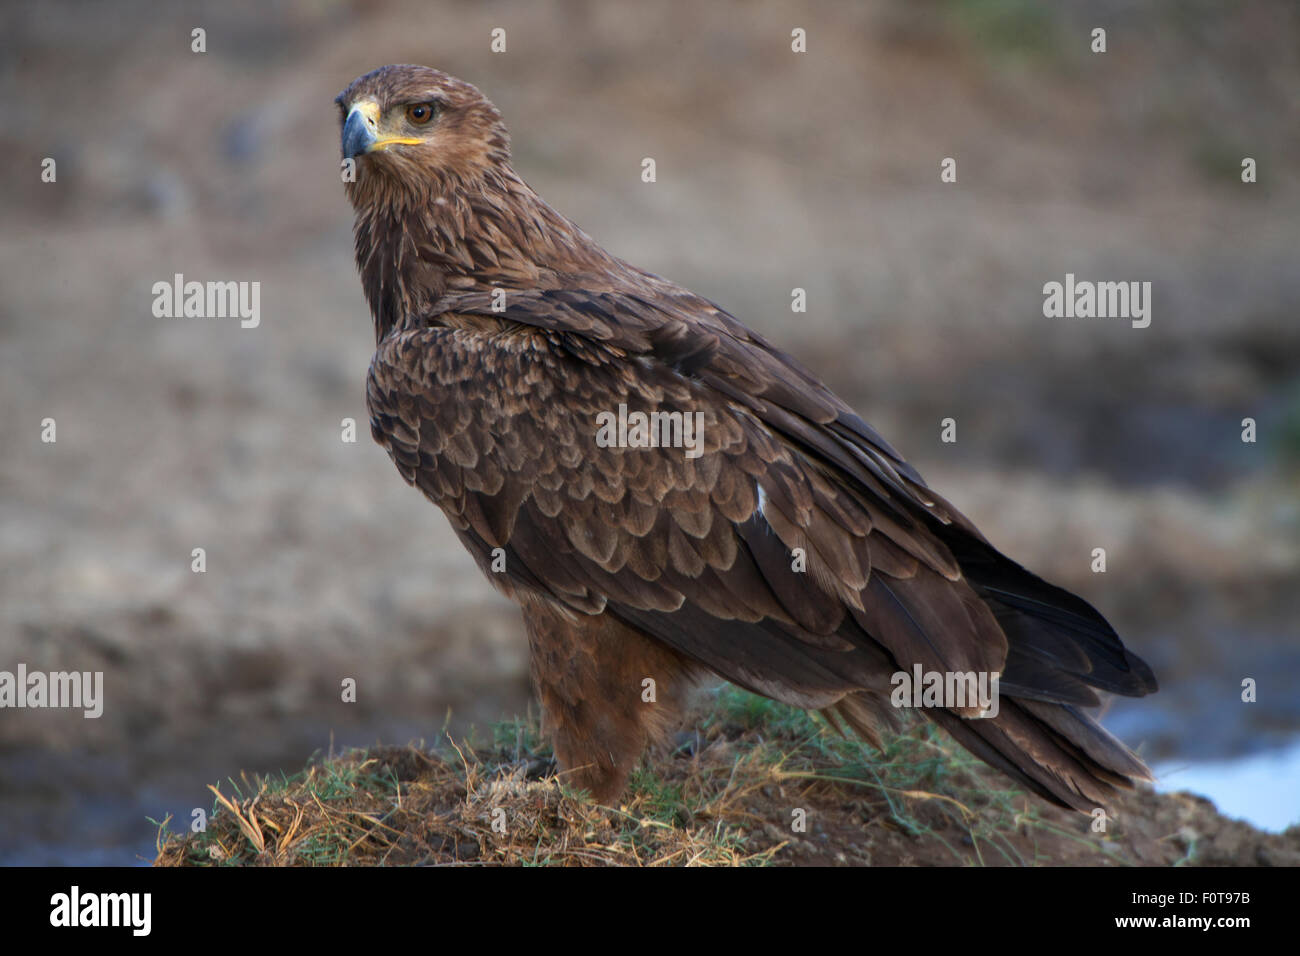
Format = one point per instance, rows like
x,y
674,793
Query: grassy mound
x,y
757,783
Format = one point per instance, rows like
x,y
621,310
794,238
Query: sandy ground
x,y
775,170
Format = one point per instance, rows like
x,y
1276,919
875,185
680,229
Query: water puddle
x,y
1262,789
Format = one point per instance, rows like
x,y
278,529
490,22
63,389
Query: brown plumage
x,y
504,331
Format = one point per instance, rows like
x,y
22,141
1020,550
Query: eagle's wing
x,y
494,415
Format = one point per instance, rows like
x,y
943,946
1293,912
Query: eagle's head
x,y
437,204
405,124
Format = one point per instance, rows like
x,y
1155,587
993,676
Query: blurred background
x,y
775,170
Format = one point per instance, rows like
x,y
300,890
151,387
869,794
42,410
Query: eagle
x,y
755,530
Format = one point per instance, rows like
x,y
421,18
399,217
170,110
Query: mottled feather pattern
x,y
504,331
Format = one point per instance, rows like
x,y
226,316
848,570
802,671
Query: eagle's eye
x,y
419,113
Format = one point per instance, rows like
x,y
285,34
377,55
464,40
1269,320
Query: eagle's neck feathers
x,y
421,237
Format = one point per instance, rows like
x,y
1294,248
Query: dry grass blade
x,y
249,828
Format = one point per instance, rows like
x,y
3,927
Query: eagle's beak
x,y
359,130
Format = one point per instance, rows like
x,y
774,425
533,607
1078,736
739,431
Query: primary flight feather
x,y
773,538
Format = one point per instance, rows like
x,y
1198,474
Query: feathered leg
x,y
591,673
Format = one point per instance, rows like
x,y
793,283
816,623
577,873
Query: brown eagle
x,y
757,529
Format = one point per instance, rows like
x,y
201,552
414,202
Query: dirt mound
x,y
760,784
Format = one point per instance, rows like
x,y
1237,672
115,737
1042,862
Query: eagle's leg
x,y
606,693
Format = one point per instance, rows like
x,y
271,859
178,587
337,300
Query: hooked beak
x,y
359,130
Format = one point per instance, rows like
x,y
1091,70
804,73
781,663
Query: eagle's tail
x,y
1055,750
1060,653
